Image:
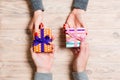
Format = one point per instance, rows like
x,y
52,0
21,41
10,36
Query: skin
x,y
76,19
81,56
44,61
36,20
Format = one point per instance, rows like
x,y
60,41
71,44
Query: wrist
x,y
40,70
78,11
79,68
37,12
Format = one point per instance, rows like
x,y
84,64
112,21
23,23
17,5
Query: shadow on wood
x,y
62,45
62,38
28,53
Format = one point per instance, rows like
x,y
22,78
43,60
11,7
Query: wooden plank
x,y
102,37
95,21
102,18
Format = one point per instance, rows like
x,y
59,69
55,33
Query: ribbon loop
x,y
45,40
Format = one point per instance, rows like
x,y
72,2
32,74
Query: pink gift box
x,y
74,36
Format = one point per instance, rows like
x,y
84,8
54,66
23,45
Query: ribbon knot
x,y
44,40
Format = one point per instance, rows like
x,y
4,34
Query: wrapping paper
x,y
74,36
43,41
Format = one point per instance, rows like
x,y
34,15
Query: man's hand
x,y
80,57
75,18
36,20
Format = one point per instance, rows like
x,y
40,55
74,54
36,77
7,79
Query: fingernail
x,y
65,25
41,25
36,34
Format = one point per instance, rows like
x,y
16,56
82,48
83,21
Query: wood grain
x,y
102,18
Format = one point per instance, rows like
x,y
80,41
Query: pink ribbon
x,y
75,35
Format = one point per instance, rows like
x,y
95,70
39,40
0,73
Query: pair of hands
x,y
43,61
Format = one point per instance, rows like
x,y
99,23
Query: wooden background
x,y
103,21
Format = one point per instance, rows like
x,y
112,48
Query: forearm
x,y
80,4
80,76
43,76
37,5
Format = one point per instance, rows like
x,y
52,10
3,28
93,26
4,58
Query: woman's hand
x,y
76,18
36,20
43,61
80,57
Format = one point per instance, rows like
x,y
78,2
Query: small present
x,y
74,36
43,41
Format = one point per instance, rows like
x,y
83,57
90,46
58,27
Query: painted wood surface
x,y
103,21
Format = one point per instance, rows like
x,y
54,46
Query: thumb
x,y
82,47
36,28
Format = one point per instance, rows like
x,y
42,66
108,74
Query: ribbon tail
x,y
42,37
